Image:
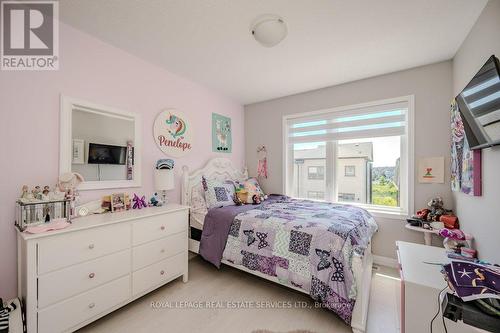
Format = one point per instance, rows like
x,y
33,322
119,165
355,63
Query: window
x,y
316,172
350,171
347,197
317,195
355,154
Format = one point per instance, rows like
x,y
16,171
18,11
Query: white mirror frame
x,y
68,104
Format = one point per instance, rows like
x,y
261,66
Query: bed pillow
x,y
252,188
198,203
218,193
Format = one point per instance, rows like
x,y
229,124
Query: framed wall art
x,y
431,170
221,134
465,163
173,133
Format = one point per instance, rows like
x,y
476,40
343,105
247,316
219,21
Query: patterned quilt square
x,y
235,228
300,242
281,243
258,240
232,251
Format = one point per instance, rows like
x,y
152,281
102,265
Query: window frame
x,y
353,173
407,160
316,166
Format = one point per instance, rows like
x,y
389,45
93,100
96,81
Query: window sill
x,y
401,216
381,212
376,211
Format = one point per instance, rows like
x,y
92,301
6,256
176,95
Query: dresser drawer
x,y
56,286
152,276
67,314
76,247
156,227
149,253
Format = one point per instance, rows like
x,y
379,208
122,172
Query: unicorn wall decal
x,y
177,126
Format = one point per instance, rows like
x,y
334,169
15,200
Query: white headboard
x,y
216,168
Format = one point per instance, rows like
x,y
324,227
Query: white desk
x,y
420,287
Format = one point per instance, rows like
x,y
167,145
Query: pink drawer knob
x,y
91,275
162,227
162,272
91,246
91,305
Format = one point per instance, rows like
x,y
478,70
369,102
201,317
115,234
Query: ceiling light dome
x,y
269,30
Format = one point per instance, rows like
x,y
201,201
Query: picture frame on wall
x,y
466,174
78,152
221,134
431,170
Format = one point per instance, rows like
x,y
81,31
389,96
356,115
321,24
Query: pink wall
x,y
94,71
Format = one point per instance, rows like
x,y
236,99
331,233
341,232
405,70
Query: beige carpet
x,y
176,307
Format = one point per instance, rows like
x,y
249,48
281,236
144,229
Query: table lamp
x,y
164,181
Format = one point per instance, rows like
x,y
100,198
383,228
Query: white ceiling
x,y
329,41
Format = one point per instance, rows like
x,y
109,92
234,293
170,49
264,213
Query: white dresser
x,y
421,282
71,277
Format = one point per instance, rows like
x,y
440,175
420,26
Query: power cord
x,y
439,310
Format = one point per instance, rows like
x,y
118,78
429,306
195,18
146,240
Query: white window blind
x,y
375,139
367,122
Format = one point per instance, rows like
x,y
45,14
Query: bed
x,y
239,236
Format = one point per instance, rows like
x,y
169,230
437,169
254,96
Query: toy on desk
x,y
450,221
434,217
436,209
139,203
455,240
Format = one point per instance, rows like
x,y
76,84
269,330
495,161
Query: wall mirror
x,y
101,143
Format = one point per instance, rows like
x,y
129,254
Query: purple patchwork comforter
x,y
303,243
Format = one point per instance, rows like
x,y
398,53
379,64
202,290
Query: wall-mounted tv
x,y
479,105
107,154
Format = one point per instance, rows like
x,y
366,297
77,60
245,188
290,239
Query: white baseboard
x,y
385,261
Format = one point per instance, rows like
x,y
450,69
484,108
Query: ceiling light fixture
x,y
269,30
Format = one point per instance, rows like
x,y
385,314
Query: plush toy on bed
x,y
249,191
238,199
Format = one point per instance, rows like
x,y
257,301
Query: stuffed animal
x,y
436,209
256,199
69,181
237,200
242,196
155,201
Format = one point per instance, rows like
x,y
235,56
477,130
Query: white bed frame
x,y
222,169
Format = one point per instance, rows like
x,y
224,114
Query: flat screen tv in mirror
x,y
107,154
479,105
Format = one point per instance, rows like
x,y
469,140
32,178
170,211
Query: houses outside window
x,y
347,197
316,172
350,171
